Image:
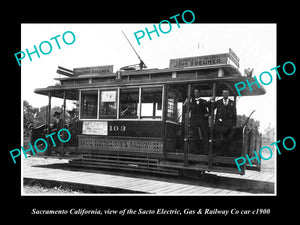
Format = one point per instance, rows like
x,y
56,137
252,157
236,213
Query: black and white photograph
x,y
144,109
138,112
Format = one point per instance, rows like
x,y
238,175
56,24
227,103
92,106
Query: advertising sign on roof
x,y
234,55
95,70
199,61
234,58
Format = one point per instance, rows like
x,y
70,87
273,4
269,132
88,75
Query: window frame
x,y
138,106
139,118
162,103
80,104
178,109
117,102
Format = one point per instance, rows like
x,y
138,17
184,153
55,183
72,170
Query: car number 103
x,y
117,128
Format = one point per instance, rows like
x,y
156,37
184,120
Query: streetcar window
x,y
151,103
89,101
174,104
108,104
129,100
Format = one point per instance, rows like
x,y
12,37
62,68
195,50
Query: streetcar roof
x,y
195,74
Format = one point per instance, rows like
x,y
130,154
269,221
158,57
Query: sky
x,y
104,44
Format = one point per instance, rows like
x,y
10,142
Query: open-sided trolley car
x,y
137,119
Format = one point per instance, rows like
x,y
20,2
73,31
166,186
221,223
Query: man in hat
x,y
57,125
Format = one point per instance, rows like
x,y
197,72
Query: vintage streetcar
x,y
139,119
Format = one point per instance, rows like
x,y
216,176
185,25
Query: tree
x,y
35,116
40,117
241,120
29,113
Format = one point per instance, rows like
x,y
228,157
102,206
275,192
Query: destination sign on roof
x,y
95,70
205,60
234,55
199,60
235,59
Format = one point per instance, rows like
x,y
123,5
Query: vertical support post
x,y
164,118
77,107
244,149
140,103
234,101
64,110
186,129
210,140
118,103
61,150
154,110
48,120
259,147
49,111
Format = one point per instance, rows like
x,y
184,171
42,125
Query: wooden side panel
x,y
138,128
117,143
174,138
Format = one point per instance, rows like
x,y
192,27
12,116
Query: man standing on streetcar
x,y
225,116
199,109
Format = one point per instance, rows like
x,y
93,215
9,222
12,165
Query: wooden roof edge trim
x,y
152,71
